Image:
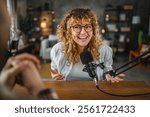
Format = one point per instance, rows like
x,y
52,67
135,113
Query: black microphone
x,y
87,58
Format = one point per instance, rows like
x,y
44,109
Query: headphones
x,y
65,24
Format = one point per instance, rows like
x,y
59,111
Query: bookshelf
x,y
118,24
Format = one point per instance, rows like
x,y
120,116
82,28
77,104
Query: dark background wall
x,y
141,7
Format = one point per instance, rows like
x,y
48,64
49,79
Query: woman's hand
x,y
117,78
55,75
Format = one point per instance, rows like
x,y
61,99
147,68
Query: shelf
x,y
118,22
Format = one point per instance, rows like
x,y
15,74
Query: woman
x,y
79,31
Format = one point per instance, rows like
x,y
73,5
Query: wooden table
x,y
86,90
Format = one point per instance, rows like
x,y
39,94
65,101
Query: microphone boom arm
x,y
114,72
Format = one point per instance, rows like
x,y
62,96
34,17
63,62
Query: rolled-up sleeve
x,y
54,57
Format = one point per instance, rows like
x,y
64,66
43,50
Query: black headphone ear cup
x,y
65,30
65,27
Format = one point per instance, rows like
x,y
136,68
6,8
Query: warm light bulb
x,y
103,31
107,15
43,24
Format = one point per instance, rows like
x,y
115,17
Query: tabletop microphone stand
x,y
90,67
138,60
113,73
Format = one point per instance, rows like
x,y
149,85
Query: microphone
x,y
86,58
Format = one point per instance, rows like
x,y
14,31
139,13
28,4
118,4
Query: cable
x,y
118,95
90,68
113,73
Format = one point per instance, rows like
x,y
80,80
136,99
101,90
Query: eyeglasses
x,y
78,28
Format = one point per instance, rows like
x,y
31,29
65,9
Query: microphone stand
x,y
141,59
114,73
90,68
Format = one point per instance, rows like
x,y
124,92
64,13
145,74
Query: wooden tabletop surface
x,y
86,90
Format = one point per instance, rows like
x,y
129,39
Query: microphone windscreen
x,y
86,57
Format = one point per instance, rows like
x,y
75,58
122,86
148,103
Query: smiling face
x,y
79,31
82,32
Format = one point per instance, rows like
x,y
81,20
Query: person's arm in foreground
x,y
23,69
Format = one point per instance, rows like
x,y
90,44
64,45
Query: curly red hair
x,y
69,48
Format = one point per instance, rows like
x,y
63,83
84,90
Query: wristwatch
x,y
47,94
